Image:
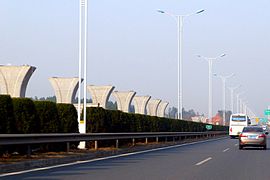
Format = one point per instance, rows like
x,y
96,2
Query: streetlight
x,y
210,66
179,19
232,89
245,107
223,79
242,105
237,101
82,53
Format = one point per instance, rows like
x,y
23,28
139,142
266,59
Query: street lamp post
x,y
180,19
240,105
223,79
210,74
232,89
245,107
83,13
237,101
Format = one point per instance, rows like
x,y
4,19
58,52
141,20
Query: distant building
x,y
199,118
217,120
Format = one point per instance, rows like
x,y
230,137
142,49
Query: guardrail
x,y
29,139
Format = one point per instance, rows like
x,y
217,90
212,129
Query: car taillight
x,y
241,135
262,136
231,129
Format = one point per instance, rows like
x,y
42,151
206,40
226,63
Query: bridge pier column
x,y
96,145
28,151
68,146
117,144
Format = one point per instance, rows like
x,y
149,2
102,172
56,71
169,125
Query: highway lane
x,y
218,159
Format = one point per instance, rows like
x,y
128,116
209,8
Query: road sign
x,y
208,127
267,112
263,120
257,119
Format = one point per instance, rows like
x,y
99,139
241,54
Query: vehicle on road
x,y
253,136
264,127
237,123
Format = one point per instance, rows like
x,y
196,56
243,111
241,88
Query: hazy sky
x,y
133,47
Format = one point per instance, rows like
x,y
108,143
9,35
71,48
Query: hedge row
x,y
7,123
22,115
100,120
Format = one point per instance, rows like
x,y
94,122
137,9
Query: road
x,y
211,160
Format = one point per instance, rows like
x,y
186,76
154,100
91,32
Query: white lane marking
x,y
109,157
203,161
225,150
236,144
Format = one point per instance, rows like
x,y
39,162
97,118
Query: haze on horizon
x,y
133,47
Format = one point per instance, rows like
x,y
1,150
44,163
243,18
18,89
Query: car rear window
x,y
253,129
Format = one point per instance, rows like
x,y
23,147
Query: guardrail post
x,y
133,142
117,144
28,151
146,140
157,139
166,139
96,145
173,139
68,146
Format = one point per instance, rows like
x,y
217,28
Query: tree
x,y
172,112
111,105
187,115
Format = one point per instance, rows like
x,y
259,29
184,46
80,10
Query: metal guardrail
x,y
14,139
28,139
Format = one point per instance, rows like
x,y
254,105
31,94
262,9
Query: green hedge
x,y
7,122
48,115
67,114
101,120
26,118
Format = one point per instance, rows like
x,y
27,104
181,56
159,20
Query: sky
x,y
132,47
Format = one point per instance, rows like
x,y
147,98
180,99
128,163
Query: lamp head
x,y
200,11
160,11
222,55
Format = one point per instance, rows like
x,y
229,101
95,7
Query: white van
x,y
237,123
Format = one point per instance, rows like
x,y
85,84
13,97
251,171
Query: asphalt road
x,y
212,160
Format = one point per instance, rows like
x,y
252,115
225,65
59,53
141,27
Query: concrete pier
x,y
65,88
161,109
124,99
100,95
140,103
14,79
152,107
